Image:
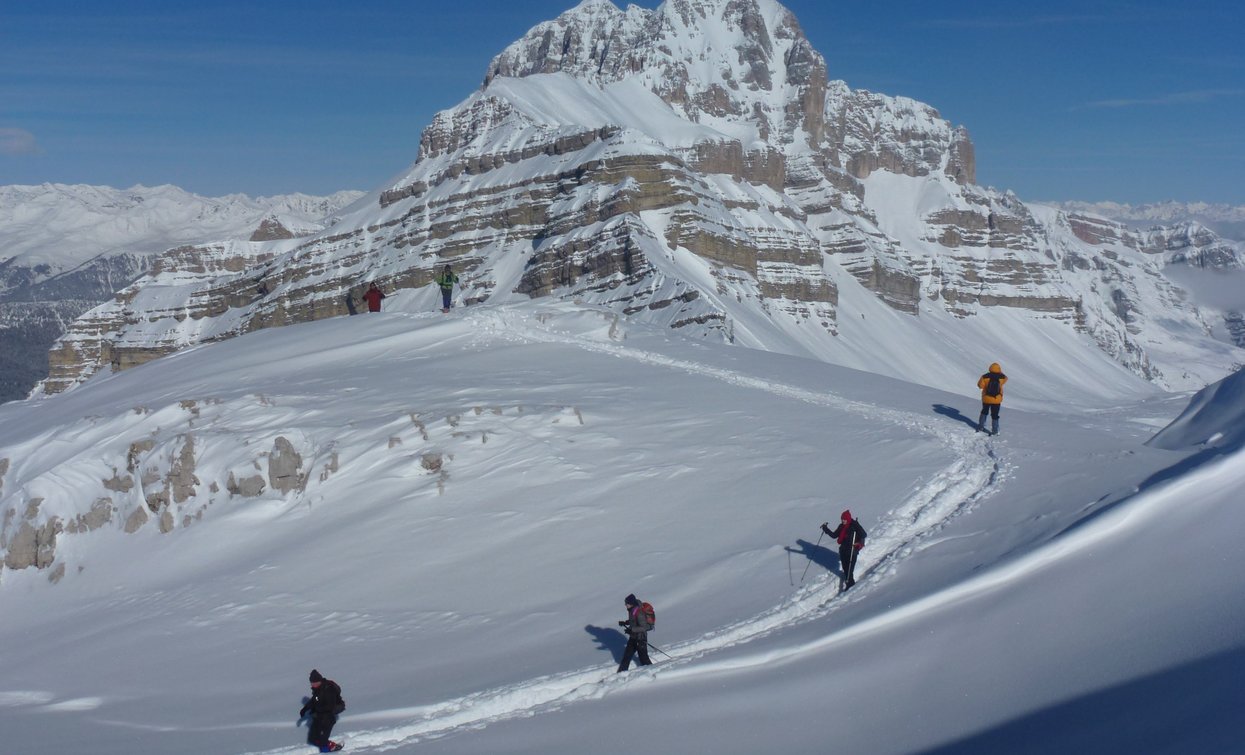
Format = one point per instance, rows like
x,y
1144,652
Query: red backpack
x,y
650,616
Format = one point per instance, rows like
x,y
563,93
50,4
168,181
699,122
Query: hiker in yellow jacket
x,y
991,385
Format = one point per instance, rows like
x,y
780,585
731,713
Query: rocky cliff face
x,y
1194,245
692,166
66,249
37,307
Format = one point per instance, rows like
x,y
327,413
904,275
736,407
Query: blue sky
x,y
1129,100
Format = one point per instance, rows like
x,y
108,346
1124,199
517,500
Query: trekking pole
x,y
850,577
651,646
810,555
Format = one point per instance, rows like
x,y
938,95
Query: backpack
x,y
992,385
341,701
650,616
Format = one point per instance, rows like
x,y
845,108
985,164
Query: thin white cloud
x,y
18,141
1014,22
1192,97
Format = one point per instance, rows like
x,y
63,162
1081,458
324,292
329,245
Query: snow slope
x,y
1215,417
483,489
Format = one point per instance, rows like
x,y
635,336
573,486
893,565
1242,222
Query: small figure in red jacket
x,y
373,297
851,538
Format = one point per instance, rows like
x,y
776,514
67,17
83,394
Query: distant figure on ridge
x,y
446,280
373,297
851,537
324,705
640,620
991,385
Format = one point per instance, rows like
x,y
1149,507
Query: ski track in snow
x,y
973,476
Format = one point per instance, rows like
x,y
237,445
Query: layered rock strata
x,y
598,156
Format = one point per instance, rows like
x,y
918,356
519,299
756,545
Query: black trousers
x,y
847,559
991,409
636,644
321,728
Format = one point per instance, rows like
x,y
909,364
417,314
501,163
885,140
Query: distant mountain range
x,y
65,249
1226,220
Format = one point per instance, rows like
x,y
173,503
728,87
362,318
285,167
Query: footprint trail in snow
x,y
956,489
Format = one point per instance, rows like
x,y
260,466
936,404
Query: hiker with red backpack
x,y
640,620
991,385
851,538
324,705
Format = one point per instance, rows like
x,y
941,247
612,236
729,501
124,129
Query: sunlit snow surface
x,y
484,487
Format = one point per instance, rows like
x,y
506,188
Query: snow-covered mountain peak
x,y
711,60
692,167
511,111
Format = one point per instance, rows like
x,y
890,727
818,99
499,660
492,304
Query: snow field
x,y
471,606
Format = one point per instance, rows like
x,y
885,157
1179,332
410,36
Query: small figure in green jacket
x,y
446,281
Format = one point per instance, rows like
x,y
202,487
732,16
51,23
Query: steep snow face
x,y
725,64
732,62
1214,418
501,118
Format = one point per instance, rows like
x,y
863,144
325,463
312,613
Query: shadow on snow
x,y
955,414
609,638
1179,469
824,557
1190,708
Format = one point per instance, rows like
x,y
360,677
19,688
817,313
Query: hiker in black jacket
x,y
324,705
851,538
